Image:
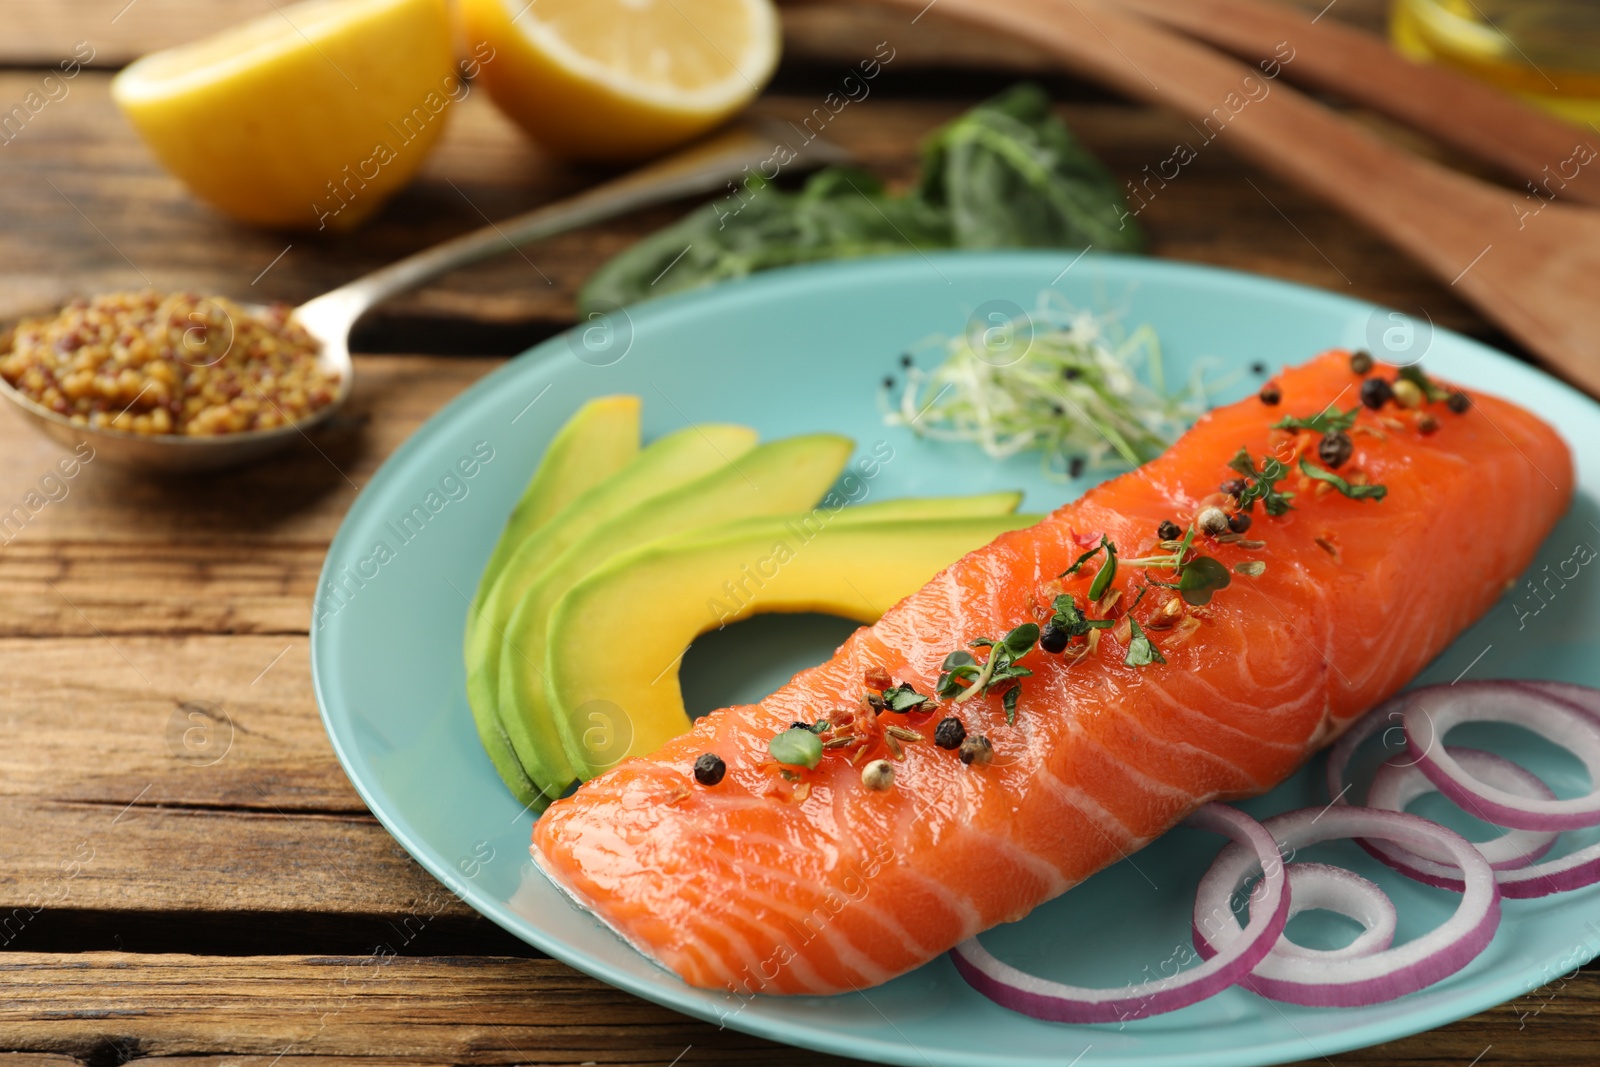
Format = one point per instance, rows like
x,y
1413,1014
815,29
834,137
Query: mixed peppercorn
x,y
1071,630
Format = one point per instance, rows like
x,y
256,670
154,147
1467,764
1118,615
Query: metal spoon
x,y
701,168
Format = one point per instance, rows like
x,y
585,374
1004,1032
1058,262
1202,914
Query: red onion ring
x,y
1396,785
1382,976
1058,1002
1431,713
1320,887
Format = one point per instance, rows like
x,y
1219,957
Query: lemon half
x,y
307,118
622,79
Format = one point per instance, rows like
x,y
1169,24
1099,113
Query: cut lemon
x,y
309,117
622,79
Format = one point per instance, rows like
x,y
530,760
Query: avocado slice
x,y
774,479
674,460
600,439
856,567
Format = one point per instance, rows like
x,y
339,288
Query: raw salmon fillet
x,y
762,884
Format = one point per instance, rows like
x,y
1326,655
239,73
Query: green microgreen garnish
x,y
1354,492
1141,651
959,666
1086,557
1072,622
1414,374
796,748
1073,386
1200,578
1330,419
1104,576
1262,483
902,698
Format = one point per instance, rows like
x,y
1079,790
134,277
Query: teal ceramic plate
x,y
806,350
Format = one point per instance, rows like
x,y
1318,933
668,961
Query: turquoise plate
x,y
805,350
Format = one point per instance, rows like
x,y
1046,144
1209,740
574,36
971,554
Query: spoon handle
x,y
701,168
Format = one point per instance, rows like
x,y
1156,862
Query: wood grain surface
x,y
186,875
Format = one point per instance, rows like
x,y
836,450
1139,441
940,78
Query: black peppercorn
x,y
1071,374
1334,448
1458,402
1258,368
709,769
888,381
1270,394
1075,467
1234,486
949,733
1169,530
1052,638
1375,392
1238,522
905,361
799,726
1361,361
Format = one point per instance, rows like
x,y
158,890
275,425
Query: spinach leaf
x,y
1006,174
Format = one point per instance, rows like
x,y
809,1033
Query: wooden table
x,y
186,871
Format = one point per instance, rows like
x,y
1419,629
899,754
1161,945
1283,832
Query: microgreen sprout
x,y
998,670
1065,388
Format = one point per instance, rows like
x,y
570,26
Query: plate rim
x,y
658,988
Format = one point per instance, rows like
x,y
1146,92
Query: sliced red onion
x,y
1269,910
1431,713
1321,887
1382,976
1397,784
1386,716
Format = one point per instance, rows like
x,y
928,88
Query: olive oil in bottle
x,y
1547,51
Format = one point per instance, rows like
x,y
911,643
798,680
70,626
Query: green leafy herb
x,y
1415,375
1106,574
902,698
1078,563
1354,492
1331,418
959,666
1261,484
1006,174
1008,700
1071,621
796,748
1200,578
1141,650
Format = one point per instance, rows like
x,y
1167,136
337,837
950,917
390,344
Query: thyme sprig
x,y
1330,419
1261,484
1000,669
1354,492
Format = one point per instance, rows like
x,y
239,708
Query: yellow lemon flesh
x,y
307,118
620,80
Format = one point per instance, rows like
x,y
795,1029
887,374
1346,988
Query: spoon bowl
x,y
178,453
701,168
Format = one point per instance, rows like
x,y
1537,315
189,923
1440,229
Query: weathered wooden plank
x,y
315,1011
184,774
85,588
295,500
817,31
379,1008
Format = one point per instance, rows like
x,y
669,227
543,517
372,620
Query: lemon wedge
x,y
307,118
620,80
